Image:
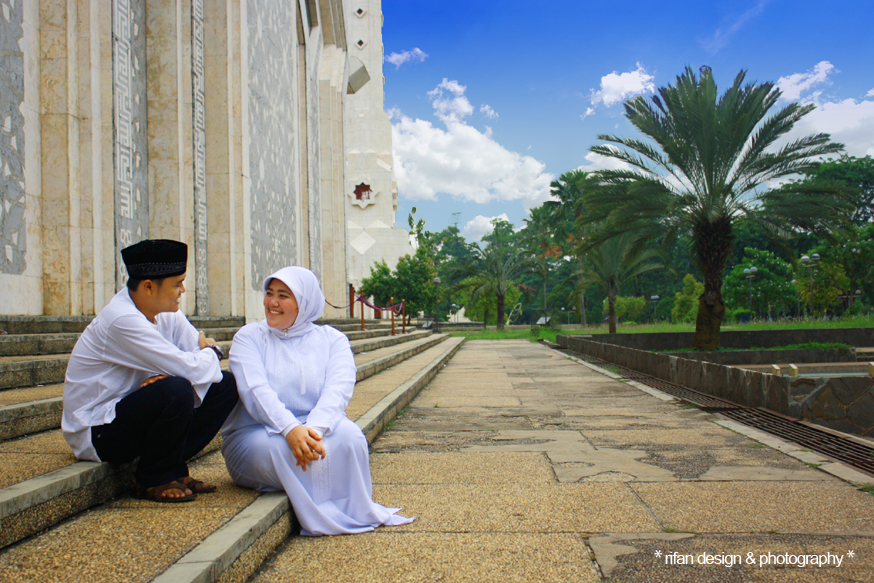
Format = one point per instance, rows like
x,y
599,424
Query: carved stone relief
x,y
13,241
200,217
272,123
131,163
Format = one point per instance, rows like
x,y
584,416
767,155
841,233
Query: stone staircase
x,y
75,520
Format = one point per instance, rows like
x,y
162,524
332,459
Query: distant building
x,y
225,125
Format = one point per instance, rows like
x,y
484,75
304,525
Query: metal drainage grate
x,y
841,449
838,448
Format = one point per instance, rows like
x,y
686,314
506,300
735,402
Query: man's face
x,y
168,293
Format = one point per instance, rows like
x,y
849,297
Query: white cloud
x,y
460,160
398,59
488,111
589,111
722,35
449,101
870,93
794,85
598,162
481,226
849,122
617,87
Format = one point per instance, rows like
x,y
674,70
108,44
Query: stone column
x,y
62,249
170,131
96,154
221,30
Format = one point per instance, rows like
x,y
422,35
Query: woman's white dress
x,y
305,379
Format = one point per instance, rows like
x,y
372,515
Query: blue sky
x,y
490,101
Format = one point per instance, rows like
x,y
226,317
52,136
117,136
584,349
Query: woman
x,y
290,431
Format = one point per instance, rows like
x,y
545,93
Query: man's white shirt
x,y
119,350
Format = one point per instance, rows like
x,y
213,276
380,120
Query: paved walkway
x,y
523,465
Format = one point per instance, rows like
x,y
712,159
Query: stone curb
x,y
212,557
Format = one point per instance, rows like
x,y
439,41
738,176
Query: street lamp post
x,y
751,275
810,264
797,297
455,307
654,300
850,297
436,306
568,316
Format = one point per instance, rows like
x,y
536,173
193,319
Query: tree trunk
x,y
583,308
485,317
713,246
500,301
611,313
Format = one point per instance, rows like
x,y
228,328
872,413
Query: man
x,y
142,382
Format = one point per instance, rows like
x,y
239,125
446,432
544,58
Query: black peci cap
x,y
155,259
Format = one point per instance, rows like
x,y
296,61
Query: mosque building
x,y
252,130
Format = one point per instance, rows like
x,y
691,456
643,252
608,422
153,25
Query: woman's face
x,y
280,305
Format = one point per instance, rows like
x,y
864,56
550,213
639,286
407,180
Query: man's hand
x,y
306,445
154,379
204,341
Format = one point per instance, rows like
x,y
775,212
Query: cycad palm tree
x,y
710,166
497,269
614,261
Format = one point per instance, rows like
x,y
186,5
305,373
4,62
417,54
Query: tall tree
x,y
614,261
708,166
499,267
857,174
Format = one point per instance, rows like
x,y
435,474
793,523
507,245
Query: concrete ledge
x,y
30,417
212,557
664,341
33,505
756,357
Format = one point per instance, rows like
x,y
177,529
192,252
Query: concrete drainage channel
x,y
839,448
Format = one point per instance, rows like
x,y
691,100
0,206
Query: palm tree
x,y
564,215
709,168
615,261
497,269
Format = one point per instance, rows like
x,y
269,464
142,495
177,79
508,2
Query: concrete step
x,y
228,533
41,359
37,407
76,324
371,344
35,370
55,457
29,410
36,344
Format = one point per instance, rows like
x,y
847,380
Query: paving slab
x,y
428,557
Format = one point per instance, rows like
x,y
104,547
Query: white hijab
x,y
304,284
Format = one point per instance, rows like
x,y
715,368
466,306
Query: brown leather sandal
x,y
156,493
197,486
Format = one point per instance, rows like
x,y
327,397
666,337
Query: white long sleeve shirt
x,y
119,350
286,381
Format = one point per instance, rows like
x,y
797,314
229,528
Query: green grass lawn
x,y
549,333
